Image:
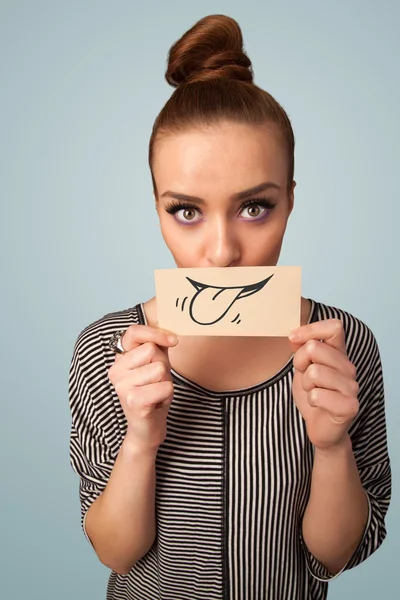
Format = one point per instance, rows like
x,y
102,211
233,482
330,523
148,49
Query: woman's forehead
x,y
221,154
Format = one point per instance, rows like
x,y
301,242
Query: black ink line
x,y
183,303
235,318
247,290
176,304
218,293
254,287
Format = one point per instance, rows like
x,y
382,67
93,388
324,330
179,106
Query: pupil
x,y
254,211
188,213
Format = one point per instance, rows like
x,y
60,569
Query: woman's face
x,y
222,195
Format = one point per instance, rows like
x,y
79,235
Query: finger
x,y
150,373
148,396
329,331
142,355
315,351
328,379
340,408
139,334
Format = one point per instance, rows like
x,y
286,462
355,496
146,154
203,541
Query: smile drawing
x,y
211,303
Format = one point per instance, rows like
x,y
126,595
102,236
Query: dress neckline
x,y
180,379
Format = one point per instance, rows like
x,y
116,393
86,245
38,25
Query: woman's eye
x,y
254,211
186,214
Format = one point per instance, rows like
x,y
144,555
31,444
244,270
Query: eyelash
x,y
176,206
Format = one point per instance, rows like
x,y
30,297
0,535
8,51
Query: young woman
x,y
235,468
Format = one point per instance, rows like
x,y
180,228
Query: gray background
x,y
81,84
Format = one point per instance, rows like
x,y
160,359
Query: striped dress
x,y
232,476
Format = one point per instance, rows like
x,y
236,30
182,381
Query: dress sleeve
x,y
369,441
91,455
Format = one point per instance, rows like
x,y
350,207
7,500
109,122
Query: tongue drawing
x,y
211,303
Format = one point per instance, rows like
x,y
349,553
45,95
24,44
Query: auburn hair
x,y
213,77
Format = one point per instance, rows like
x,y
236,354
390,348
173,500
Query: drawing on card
x,y
211,303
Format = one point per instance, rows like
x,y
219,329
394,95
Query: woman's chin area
x,y
199,265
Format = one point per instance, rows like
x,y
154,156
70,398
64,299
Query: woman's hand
x,y
142,379
324,385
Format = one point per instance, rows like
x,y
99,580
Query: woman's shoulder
x,y
361,344
96,335
91,395
353,326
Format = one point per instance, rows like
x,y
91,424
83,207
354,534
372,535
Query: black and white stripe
x,y
233,475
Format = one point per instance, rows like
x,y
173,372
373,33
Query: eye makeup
x,y
175,206
265,203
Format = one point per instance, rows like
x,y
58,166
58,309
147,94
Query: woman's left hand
x,y
324,387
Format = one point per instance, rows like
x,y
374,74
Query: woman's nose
x,y
222,245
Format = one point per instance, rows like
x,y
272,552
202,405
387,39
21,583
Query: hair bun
x,y
211,49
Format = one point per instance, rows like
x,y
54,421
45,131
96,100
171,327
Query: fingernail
x,y
172,339
294,336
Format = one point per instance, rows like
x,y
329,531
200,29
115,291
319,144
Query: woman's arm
x,y
345,420
337,510
121,523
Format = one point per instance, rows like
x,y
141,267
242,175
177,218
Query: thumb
x,y
294,346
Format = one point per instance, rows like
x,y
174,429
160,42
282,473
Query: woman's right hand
x,y
142,379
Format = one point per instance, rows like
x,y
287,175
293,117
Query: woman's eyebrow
x,y
238,196
255,190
